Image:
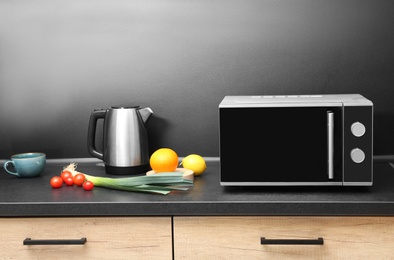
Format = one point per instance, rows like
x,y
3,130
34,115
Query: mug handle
x,y
10,172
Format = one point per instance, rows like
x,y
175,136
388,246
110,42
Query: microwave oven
x,y
296,140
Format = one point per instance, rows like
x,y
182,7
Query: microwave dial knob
x,y
358,129
357,155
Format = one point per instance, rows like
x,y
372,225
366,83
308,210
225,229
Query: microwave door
x,y
295,145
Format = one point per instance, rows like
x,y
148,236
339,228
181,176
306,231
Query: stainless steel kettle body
x,y
125,139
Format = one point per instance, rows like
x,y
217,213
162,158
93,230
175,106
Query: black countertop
x,y
35,197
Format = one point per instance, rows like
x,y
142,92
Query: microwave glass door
x,y
282,145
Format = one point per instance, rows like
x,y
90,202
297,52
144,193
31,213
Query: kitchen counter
x,y
35,197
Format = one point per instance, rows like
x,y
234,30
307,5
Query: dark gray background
x,y
61,59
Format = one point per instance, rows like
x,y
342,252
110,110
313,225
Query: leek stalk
x,y
162,183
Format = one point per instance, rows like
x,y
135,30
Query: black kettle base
x,y
133,170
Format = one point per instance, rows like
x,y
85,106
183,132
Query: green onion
x,y
162,183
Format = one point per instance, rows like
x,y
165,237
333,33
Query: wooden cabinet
x,y
199,237
106,238
240,237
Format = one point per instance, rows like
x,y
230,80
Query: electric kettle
x,y
125,139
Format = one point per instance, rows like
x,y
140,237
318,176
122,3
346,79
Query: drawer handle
x,y
28,241
318,241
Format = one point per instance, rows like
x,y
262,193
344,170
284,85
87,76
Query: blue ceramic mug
x,y
26,164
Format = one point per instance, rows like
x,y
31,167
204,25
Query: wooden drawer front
x,y
240,237
107,238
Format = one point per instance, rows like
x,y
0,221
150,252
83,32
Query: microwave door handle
x,y
330,144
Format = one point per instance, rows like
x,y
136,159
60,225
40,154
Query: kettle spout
x,y
145,113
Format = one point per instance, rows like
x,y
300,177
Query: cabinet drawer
x,y
240,237
107,238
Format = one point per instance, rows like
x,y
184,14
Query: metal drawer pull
x,y
28,241
318,241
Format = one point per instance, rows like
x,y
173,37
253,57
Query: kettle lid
x,y
124,107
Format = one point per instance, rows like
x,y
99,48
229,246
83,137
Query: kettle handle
x,y
97,114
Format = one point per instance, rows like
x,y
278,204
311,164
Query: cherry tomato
x,y
65,175
88,185
79,179
69,181
56,182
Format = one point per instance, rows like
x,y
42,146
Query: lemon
x,y
164,160
195,163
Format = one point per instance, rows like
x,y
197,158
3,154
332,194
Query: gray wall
x,y
61,59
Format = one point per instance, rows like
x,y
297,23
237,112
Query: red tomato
x,y
88,185
65,175
56,182
69,181
79,179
